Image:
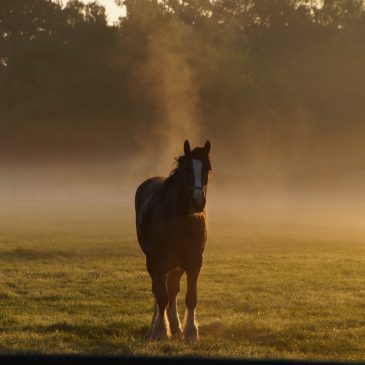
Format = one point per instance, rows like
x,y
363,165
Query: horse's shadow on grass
x,y
212,329
219,329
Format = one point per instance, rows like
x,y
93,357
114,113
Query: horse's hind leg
x,y
155,311
173,288
160,328
155,308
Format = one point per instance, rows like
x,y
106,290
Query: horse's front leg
x,y
160,327
191,332
173,287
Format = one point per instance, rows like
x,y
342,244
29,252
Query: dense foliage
x,y
72,83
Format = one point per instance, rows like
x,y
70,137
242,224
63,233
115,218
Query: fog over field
x,y
105,190
90,110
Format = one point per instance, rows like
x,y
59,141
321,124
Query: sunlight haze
x,y
113,11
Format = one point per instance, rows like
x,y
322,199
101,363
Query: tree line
x,y
74,85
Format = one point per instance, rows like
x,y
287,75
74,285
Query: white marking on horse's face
x,y
198,195
197,169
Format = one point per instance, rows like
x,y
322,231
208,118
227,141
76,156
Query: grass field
x,y
80,286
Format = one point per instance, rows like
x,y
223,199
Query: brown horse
x,y
171,230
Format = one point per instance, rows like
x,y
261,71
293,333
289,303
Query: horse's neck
x,y
177,195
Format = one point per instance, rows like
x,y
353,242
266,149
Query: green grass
x,y
82,287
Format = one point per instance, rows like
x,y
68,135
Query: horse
x,y
172,233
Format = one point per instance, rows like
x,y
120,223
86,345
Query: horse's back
x,y
147,188
143,195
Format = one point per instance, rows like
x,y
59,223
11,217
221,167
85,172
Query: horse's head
x,y
196,167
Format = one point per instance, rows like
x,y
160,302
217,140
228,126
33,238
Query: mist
x,y
93,110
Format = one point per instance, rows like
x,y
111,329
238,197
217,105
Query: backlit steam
x,y
173,89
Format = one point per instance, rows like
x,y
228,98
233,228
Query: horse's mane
x,y
173,173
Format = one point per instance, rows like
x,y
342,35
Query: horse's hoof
x,y
176,332
160,329
191,334
175,328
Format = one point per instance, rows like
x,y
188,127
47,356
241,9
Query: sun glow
x,y
113,11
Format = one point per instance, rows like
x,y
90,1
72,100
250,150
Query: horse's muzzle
x,y
198,201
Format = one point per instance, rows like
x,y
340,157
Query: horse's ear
x,y
187,147
207,146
